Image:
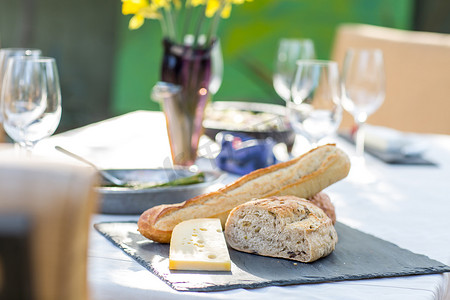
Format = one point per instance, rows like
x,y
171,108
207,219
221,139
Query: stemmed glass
x,y
216,68
289,51
6,53
315,108
30,99
363,85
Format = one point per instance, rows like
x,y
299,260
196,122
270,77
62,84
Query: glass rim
x,y
32,58
20,49
322,62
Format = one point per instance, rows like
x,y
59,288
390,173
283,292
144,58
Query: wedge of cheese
x,y
199,244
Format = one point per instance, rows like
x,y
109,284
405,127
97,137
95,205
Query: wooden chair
x,y
45,209
417,67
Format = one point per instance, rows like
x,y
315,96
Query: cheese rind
x,y
199,244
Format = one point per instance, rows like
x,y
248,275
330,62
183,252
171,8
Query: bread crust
x,y
148,218
286,226
303,177
322,200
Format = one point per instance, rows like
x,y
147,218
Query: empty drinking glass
x,y
216,68
363,84
315,108
30,99
289,51
363,87
6,53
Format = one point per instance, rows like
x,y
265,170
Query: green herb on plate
x,y
197,178
194,179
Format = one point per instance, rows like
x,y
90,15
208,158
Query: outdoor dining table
x,y
408,205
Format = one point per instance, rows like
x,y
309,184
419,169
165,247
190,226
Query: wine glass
x,y
216,68
30,99
363,85
315,107
289,51
5,54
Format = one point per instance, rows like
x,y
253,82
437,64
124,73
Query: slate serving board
x,y
357,256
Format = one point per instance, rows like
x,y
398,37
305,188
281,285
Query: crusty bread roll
x,y
286,226
303,177
323,201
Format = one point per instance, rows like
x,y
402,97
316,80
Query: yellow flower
x,y
162,3
152,9
212,6
177,4
150,12
141,9
133,6
226,11
136,21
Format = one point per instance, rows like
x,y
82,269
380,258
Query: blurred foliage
x,y
249,42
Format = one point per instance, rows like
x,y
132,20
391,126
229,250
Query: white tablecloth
x,y
406,205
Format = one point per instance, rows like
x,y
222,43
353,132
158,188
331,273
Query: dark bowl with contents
x,y
258,120
127,200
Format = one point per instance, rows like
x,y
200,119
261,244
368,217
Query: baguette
x,y
303,177
285,226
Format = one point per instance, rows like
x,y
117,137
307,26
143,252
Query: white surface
x,y
135,140
406,205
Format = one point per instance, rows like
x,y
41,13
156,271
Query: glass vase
x,y
183,92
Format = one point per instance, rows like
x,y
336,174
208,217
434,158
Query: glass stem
x,y
23,149
360,135
29,150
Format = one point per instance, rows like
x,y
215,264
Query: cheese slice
x,y
199,244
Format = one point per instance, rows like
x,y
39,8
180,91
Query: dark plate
x,y
118,200
257,128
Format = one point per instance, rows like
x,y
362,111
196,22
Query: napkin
x,y
392,146
390,140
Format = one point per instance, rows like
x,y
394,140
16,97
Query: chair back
x,y
417,68
45,209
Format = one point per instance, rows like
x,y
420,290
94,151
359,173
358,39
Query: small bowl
x,y
258,120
